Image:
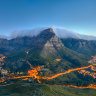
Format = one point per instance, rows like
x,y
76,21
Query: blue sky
x,y
75,15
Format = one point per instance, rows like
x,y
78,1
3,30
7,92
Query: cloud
x,y
59,31
31,33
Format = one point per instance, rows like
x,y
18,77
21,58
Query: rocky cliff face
x,y
52,46
87,47
48,42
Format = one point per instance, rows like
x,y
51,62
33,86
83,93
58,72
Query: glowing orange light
x,y
58,59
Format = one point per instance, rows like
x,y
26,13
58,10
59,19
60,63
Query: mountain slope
x,y
45,49
81,46
29,89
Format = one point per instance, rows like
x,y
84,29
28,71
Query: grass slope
x,y
28,89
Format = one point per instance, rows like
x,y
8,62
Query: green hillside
x,y
27,89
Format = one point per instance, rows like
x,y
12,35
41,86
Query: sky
x,y
76,15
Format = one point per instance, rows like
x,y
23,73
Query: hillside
x,y
27,89
86,47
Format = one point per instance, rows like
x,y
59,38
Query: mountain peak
x,y
47,33
49,29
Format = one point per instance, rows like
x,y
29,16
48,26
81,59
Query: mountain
x,y
48,50
43,49
86,47
33,38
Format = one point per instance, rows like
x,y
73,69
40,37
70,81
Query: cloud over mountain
x,y
60,32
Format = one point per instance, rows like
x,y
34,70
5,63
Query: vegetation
x,y
28,89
